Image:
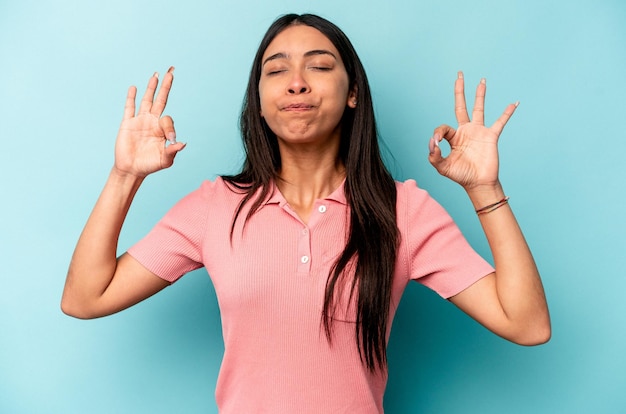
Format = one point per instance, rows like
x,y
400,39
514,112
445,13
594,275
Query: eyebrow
x,y
282,55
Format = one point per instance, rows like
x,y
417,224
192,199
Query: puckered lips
x,y
298,107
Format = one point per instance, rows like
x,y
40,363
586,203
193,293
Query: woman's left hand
x,y
473,158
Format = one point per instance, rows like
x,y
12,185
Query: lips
x,y
297,107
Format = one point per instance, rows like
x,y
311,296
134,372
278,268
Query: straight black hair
x,y
366,265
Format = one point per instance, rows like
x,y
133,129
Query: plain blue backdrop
x,y
66,66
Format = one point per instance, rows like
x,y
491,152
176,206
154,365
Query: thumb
x,y
171,151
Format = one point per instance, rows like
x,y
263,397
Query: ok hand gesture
x,y
141,147
473,159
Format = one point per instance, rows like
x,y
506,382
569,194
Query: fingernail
x,y
156,74
460,74
171,69
516,104
434,142
171,137
483,81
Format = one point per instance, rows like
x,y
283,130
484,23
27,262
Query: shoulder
x,y
409,194
407,186
415,206
218,190
209,198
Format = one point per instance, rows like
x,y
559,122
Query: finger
x,y
460,108
478,114
435,156
148,96
443,132
436,159
170,153
161,100
167,125
129,108
434,143
499,124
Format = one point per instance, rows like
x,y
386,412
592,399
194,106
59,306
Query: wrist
x,y
484,195
124,179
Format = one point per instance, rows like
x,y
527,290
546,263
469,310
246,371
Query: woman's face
x,y
304,87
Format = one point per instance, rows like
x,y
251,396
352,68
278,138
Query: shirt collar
x,y
276,197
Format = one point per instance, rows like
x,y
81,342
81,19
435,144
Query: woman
x,y
311,246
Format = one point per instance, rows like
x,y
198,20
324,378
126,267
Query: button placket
x,y
304,240
304,251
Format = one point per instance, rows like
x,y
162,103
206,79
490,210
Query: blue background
x,y
66,66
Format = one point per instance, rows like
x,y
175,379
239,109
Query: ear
x,y
351,102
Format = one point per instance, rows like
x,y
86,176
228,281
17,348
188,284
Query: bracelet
x,y
492,207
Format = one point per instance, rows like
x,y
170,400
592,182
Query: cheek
x,y
264,99
341,91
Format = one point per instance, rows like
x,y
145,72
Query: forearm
x,y
94,260
518,284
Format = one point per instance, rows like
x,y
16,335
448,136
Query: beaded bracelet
x,y
492,207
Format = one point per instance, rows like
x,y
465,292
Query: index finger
x,y
500,123
460,108
161,99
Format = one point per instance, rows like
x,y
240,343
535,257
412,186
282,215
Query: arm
x,y
510,302
98,283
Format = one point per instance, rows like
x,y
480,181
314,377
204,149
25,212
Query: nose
x,y
297,85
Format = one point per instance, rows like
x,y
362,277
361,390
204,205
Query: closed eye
x,y
275,72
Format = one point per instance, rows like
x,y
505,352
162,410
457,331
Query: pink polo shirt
x,y
270,287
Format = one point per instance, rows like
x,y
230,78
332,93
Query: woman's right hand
x,y
141,147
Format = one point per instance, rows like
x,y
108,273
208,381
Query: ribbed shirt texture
x,y
270,281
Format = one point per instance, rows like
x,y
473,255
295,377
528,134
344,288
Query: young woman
x,y
311,246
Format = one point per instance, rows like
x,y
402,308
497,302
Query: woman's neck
x,y
307,176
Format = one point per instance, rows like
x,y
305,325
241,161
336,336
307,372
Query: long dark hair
x,y
366,265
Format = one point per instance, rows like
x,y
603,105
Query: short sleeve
x,y
436,253
174,246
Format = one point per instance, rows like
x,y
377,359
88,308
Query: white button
x,y
305,231
321,209
304,259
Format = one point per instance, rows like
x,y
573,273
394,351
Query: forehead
x,y
297,40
